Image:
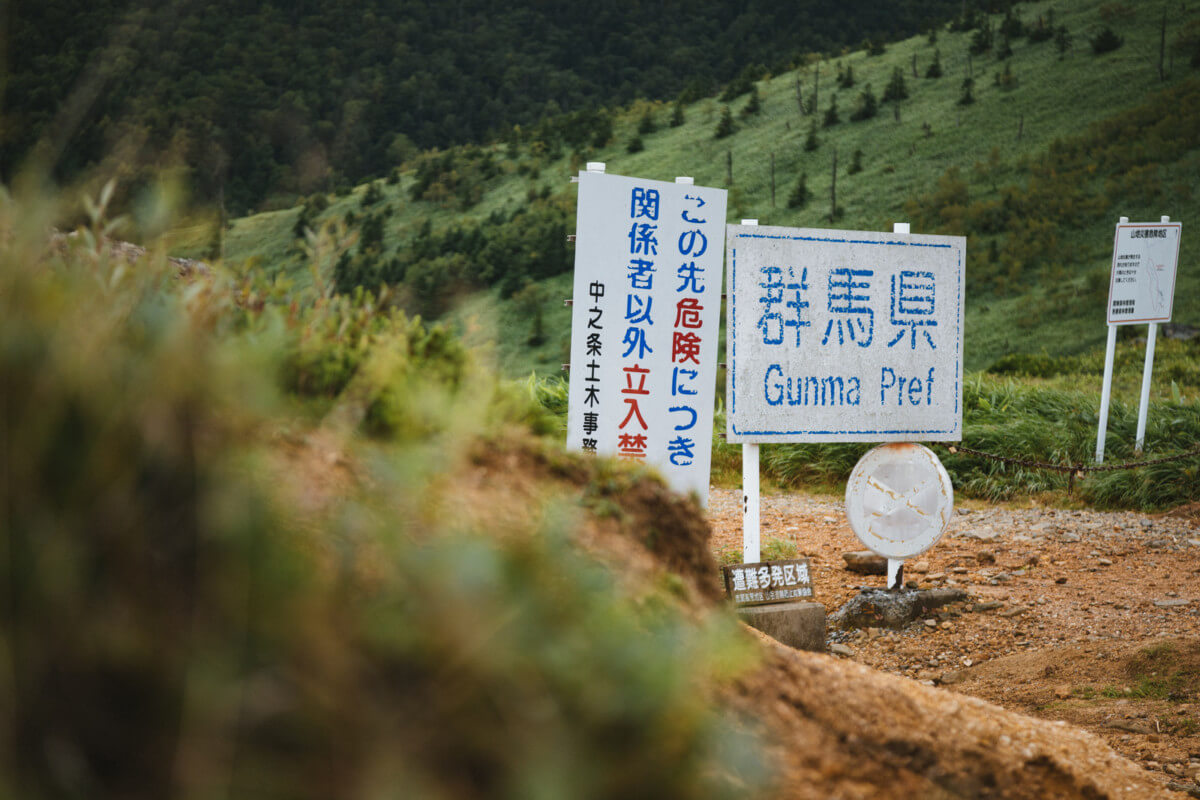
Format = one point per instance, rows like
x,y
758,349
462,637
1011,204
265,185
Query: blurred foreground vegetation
x,y
225,574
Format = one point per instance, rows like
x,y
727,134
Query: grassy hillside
x,y
1029,109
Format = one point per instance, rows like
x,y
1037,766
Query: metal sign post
x,y
751,504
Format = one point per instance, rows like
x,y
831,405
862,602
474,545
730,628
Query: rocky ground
x,y
1092,618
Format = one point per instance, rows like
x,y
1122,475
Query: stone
x,y
919,567
1071,537
1175,602
1105,562
880,608
864,562
798,625
990,605
983,534
951,677
840,649
1015,611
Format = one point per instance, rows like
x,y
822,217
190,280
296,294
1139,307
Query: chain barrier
x,y
1074,470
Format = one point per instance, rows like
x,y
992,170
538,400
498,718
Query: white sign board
x,y
1142,285
843,336
644,329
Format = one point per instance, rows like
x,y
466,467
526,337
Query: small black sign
x,y
769,582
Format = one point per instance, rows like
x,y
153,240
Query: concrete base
x,y
798,625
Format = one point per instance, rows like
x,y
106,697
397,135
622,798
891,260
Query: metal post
x,y
1106,392
895,566
1147,370
1110,353
751,531
1144,406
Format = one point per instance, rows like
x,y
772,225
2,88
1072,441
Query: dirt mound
x,y
835,728
844,730
625,502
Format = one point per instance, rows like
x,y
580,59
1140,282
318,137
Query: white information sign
x,y
841,336
647,299
1142,285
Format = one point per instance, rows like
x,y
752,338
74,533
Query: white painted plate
x,y
899,500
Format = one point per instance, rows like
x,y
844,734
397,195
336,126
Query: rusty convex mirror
x,y
899,500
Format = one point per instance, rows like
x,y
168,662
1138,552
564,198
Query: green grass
x,y
1039,326
771,550
1054,98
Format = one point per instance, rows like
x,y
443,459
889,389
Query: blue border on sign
x,y
733,337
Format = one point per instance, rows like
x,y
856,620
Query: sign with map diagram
x,y
1142,286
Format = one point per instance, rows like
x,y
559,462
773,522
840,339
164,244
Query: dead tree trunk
x,y
772,180
833,189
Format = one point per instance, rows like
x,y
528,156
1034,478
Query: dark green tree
x,y
677,115
896,89
981,40
800,194
1106,41
753,105
866,107
845,77
1004,51
810,141
725,124
831,113
1062,40
855,163
935,68
968,95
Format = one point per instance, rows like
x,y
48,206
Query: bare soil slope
x,y
1080,617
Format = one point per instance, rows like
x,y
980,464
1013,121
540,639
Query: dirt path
x,y
1083,616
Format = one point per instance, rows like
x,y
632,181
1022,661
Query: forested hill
x,y
259,97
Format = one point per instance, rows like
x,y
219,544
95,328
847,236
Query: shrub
x,y
800,194
935,68
867,107
1106,41
198,582
831,113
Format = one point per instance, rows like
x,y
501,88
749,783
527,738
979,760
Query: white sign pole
x,y
1106,391
751,529
1110,353
1147,369
895,566
1144,406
